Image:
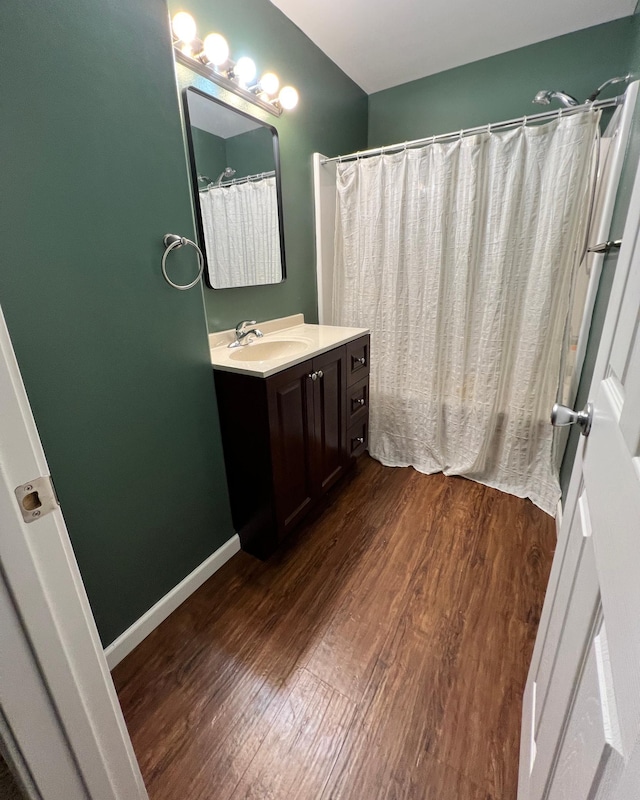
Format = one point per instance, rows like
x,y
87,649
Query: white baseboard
x,y
558,518
150,620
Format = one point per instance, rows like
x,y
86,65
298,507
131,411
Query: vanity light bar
x,y
193,53
221,80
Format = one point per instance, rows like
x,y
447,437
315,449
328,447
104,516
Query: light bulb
x,y
270,83
216,49
288,97
245,69
184,27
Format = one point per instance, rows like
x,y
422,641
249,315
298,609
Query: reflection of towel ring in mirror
x,y
171,242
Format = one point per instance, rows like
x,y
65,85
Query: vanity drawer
x,y
357,360
357,401
358,438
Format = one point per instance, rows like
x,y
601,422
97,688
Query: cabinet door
x,y
328,455
290,399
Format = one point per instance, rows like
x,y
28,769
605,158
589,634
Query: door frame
x,y
54,624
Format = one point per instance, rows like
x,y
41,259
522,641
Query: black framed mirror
x,y
235,176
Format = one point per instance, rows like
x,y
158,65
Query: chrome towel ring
x,y
171,242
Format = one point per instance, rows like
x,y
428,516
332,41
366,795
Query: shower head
x,y
227,172
545,96
610,82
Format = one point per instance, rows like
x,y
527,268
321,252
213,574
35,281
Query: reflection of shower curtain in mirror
x,y
459,257
241,234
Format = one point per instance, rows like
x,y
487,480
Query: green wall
x,y
501,87
115,361
331,118
211,153
251,153
248,153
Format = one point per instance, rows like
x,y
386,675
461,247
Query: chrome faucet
x,y
242,334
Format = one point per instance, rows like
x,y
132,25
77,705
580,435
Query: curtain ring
x,y
524,121
405,146
433,139
489,128
339,159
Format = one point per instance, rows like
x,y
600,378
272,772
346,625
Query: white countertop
x,y
303,340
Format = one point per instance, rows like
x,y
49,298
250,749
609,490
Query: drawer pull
x,y
358,401
358,440
362,360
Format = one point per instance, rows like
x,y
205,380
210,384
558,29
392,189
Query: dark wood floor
x,y
381,655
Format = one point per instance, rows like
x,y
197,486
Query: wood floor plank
x,y
481,731
390,748
375,593
306,736
384,647
206,752
450,576
517,546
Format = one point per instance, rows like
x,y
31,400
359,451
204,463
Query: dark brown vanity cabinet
x,y
286,440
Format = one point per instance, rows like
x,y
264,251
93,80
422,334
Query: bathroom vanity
x,y
294,409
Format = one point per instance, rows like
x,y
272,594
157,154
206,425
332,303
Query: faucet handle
x,y
240,325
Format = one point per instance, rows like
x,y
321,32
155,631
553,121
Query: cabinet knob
x,y
362,360
313,376
320,373
359,440
360,401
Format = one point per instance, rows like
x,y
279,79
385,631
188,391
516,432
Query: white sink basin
x,y
264,351
287,341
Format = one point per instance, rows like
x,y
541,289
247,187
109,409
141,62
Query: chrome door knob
x,y
562,416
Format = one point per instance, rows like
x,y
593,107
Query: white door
x,y
581,714
59,714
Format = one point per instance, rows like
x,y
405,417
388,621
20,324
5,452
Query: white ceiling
x,y
383,43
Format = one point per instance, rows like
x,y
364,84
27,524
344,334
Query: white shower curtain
x,y
241,233
459,257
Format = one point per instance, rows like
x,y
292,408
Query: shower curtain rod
x,y
235,181
560,112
